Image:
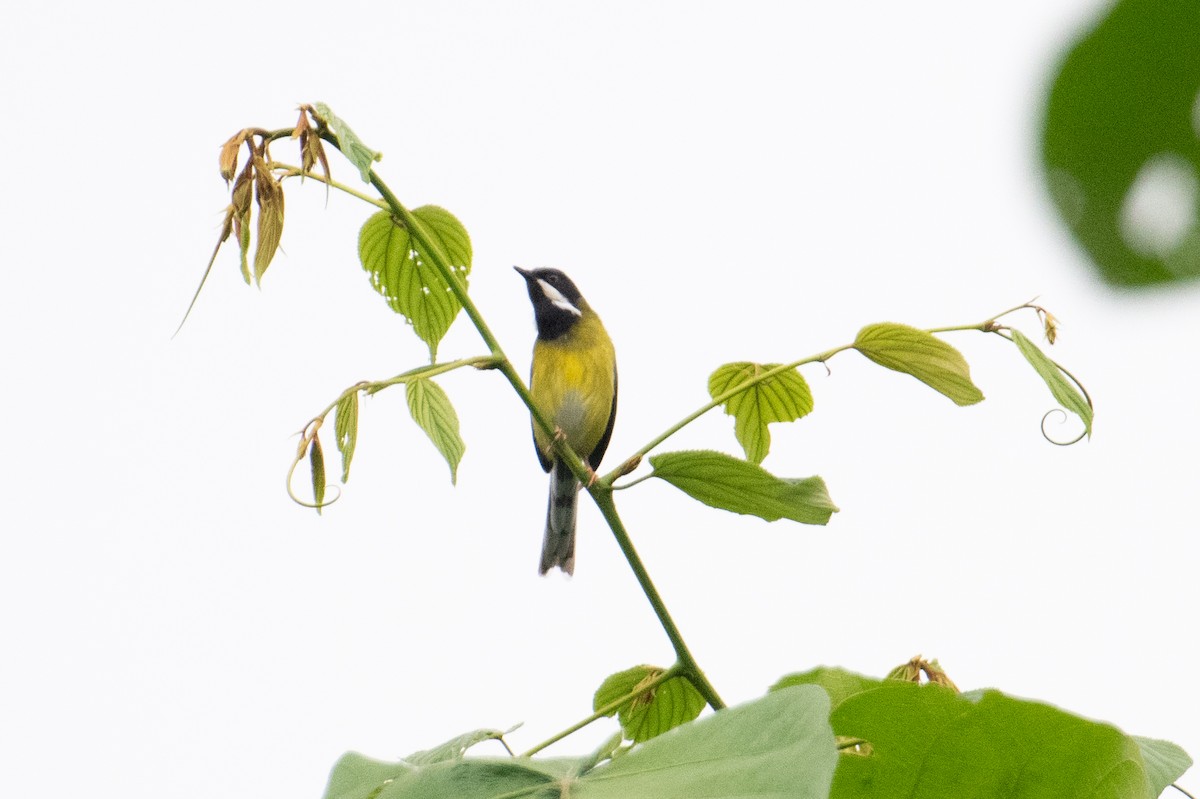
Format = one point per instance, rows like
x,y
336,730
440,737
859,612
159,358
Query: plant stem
x,y
295,171
689,667
600,490
606,710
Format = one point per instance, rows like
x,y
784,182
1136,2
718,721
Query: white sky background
x,y
723,185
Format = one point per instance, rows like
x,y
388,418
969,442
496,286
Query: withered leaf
x,y
229,151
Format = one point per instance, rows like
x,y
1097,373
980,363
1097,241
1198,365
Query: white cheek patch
x,y
557,299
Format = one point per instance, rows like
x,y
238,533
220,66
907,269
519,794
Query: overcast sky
x,y
749,184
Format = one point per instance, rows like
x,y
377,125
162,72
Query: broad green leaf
x,y
838,683
472,779
432,411
316,460
657,709
777,747
401,270
1165,762
1119,141
351,146
455,748
782,398
346,429
722,481
357,776
1064,391
927,742
922,355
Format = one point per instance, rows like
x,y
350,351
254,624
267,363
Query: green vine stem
x,y
987,326
600,490
602,494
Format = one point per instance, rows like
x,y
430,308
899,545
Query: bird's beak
x,y
522,272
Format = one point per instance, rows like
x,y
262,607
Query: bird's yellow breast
x,y
573,381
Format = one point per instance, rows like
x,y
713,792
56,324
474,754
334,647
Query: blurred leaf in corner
x,y
1119,142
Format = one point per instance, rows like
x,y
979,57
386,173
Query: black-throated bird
x,y
573,381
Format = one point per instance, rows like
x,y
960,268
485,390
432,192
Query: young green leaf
x,y
784,397
922,355
316,460
432,411
657,708
346,430
400,268
722,481
1064,391
351,146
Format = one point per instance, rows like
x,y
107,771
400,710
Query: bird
x,y
573,381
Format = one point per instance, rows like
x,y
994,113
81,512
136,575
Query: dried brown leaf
x,y
229,151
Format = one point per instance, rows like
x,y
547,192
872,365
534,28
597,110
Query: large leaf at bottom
x,y
776,747
839,683
927,742
779,746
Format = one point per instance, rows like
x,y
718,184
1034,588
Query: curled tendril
x,y
292,470
308,437
1064,415
1087,398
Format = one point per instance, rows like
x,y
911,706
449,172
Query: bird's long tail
x,y
558,548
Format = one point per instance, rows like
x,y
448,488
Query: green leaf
x,y
731,484
351,146
316,460
784,397
927,741
432,411
346,430
401,270
1165,762
1064,391
656,709
777,747
455,748
1119,141
838,683
357,776
922,355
